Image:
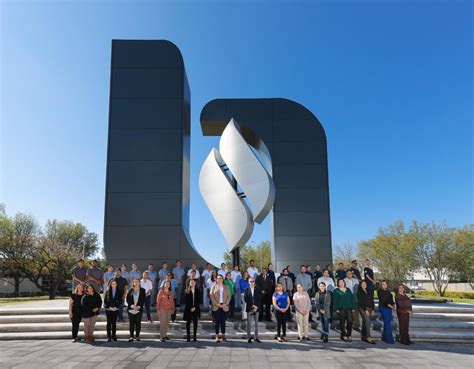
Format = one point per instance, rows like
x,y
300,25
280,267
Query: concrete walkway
x,y
232,355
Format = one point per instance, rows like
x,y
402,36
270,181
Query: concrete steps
x,y
429,322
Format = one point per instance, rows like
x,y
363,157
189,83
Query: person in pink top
x,y
303,307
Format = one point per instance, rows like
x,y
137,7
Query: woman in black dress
x,y
192,311
112,301
75,310
135,301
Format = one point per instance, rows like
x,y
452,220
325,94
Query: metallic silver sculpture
x,y
232,174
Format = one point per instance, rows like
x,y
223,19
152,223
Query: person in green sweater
x,y
229,283
343,304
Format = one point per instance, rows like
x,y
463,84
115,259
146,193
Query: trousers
x,y
325,324
281,323
75,320
220,317
111,323
135,324
164,316
251,316
148,307
193,318
89,325
403,324
386,313
365,326
303,325
345,322
243,304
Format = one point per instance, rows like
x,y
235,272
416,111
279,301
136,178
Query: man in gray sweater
x,y
304,279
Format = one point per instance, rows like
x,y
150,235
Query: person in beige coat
x,y
220,300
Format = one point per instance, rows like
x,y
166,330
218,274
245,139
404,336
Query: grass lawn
x,y
19,300
454,299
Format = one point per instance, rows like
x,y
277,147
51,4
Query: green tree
x,y
262,254
464,254
436,252
392,251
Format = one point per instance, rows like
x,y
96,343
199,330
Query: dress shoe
x,y
249,340
130,339
257,340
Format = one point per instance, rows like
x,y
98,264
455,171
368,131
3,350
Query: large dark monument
x,y
147,186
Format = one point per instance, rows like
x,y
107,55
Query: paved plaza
x,y
236,354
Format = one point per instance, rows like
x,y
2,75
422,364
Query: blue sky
x,y
391,82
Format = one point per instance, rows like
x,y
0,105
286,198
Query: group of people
x,y
342,296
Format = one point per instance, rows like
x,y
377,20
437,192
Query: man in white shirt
x,y
194,267
330,286
252,270
236,277
222,271
147,285
206,274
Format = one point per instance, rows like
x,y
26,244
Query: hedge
x,y
454,294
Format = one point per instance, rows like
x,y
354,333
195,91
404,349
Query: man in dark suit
x,y
252,297
265,283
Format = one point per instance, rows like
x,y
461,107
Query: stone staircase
x,y
429,322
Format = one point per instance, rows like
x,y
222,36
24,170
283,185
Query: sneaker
x,y
279,339
130,339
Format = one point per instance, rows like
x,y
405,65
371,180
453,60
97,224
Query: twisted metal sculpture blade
x,y
226,171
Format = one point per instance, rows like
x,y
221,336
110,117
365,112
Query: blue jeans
x,y
387,324
120,310
325,324
147,306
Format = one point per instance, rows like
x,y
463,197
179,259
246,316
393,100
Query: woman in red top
x,y
165,307
404,310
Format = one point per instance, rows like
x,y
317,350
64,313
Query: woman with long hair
x,y
365,306
91,303
243,284
112,302
386,305
75,310
192,310
404,309
281,304
230,284
323,301
303,307
343,303
220,300
165,307
136,301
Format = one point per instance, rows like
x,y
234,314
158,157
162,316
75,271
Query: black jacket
x,y
141,298
255,300
110,301
188,301
265,284
385,298
90,302
365,300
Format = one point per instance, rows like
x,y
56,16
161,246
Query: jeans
x,y
111,323
325,324
147,306
75,320
303,325
237,297
345,321
120,310
220,317
252,316
281,323
387,324
135,323
365,326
